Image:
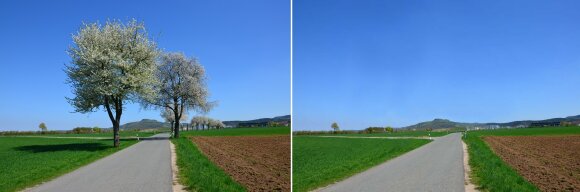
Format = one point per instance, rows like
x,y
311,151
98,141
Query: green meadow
x,y
108,134
319,161
397,134
27,161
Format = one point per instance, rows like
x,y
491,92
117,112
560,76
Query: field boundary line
x,y
469,186
177,187
330,136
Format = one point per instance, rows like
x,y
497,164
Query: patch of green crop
x,y
27,161
266,131
491,173
397,134
198,173
319,161
108,134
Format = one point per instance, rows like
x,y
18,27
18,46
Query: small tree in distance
x,y
42,127
335,127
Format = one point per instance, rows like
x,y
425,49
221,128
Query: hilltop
x,y
445,123
144,124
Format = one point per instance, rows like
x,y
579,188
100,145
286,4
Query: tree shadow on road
x,y
64,147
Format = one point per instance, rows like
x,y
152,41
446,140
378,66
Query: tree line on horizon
x,y
199,122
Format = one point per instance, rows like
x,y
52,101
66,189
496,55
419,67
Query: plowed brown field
x,y
258,163
550,162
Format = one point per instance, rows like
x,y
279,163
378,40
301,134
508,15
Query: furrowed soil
x,y
258,163
552,163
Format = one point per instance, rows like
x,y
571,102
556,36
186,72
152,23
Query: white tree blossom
x,y
182,86
168,116
200,121
220,124
196,121
111,65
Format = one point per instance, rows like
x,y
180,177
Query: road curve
x,y
437,166
145,166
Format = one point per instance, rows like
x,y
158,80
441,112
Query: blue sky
x,y
378,63
244,46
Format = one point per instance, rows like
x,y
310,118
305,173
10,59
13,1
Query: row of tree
x,y
199,122
117,63
202,123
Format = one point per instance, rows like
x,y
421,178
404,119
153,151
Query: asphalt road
x,y
145,166
437,166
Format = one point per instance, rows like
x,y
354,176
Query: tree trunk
x,y
177,116
118,107
171,123
116,140
176,128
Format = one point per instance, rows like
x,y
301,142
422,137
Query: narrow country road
x,y
437,166
145,166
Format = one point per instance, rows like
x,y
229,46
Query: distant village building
x,y
259,124
545,124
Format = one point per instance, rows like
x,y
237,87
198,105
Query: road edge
x,y
176,187
469,187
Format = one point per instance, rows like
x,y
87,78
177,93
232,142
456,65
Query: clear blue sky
x,y
244,46
377,63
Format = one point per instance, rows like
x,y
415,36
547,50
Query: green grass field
x,y
239,132
489,172
122,134
397,134
27,161
319,161
198,173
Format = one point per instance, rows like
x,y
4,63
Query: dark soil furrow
x,y
552,163
258,163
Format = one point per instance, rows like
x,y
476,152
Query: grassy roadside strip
x,y
319,161
489,172
27,161
197,172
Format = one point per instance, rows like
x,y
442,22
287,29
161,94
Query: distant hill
x,y
444,123
144,124
258,121
434,124
154,124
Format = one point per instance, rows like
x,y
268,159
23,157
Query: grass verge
x,y
27,161
489,172
319,161
197,172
